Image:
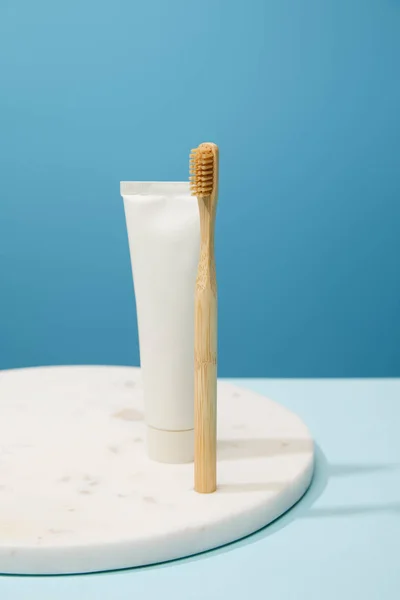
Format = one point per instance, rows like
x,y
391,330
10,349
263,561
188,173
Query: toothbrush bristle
x,y
201,166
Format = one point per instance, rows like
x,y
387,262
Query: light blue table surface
x,y
340,542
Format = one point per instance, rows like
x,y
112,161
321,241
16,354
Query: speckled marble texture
x,y
78,493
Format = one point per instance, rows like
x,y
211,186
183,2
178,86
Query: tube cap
x,y
170,446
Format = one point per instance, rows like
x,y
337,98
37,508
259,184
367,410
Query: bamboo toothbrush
x,y
204,185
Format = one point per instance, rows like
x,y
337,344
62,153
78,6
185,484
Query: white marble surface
x,y
78,493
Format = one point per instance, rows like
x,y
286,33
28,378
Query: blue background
x,y
303,99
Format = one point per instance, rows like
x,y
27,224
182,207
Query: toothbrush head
x,y
204,170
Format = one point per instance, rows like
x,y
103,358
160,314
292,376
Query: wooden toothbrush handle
x,y
205,405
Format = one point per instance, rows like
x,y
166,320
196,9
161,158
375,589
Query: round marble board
x,y
78,493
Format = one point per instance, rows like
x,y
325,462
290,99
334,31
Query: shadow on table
x,y
304,508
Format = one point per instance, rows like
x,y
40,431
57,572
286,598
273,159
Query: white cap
x,y
170,446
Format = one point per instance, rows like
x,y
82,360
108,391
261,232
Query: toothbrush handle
x,y
205,406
